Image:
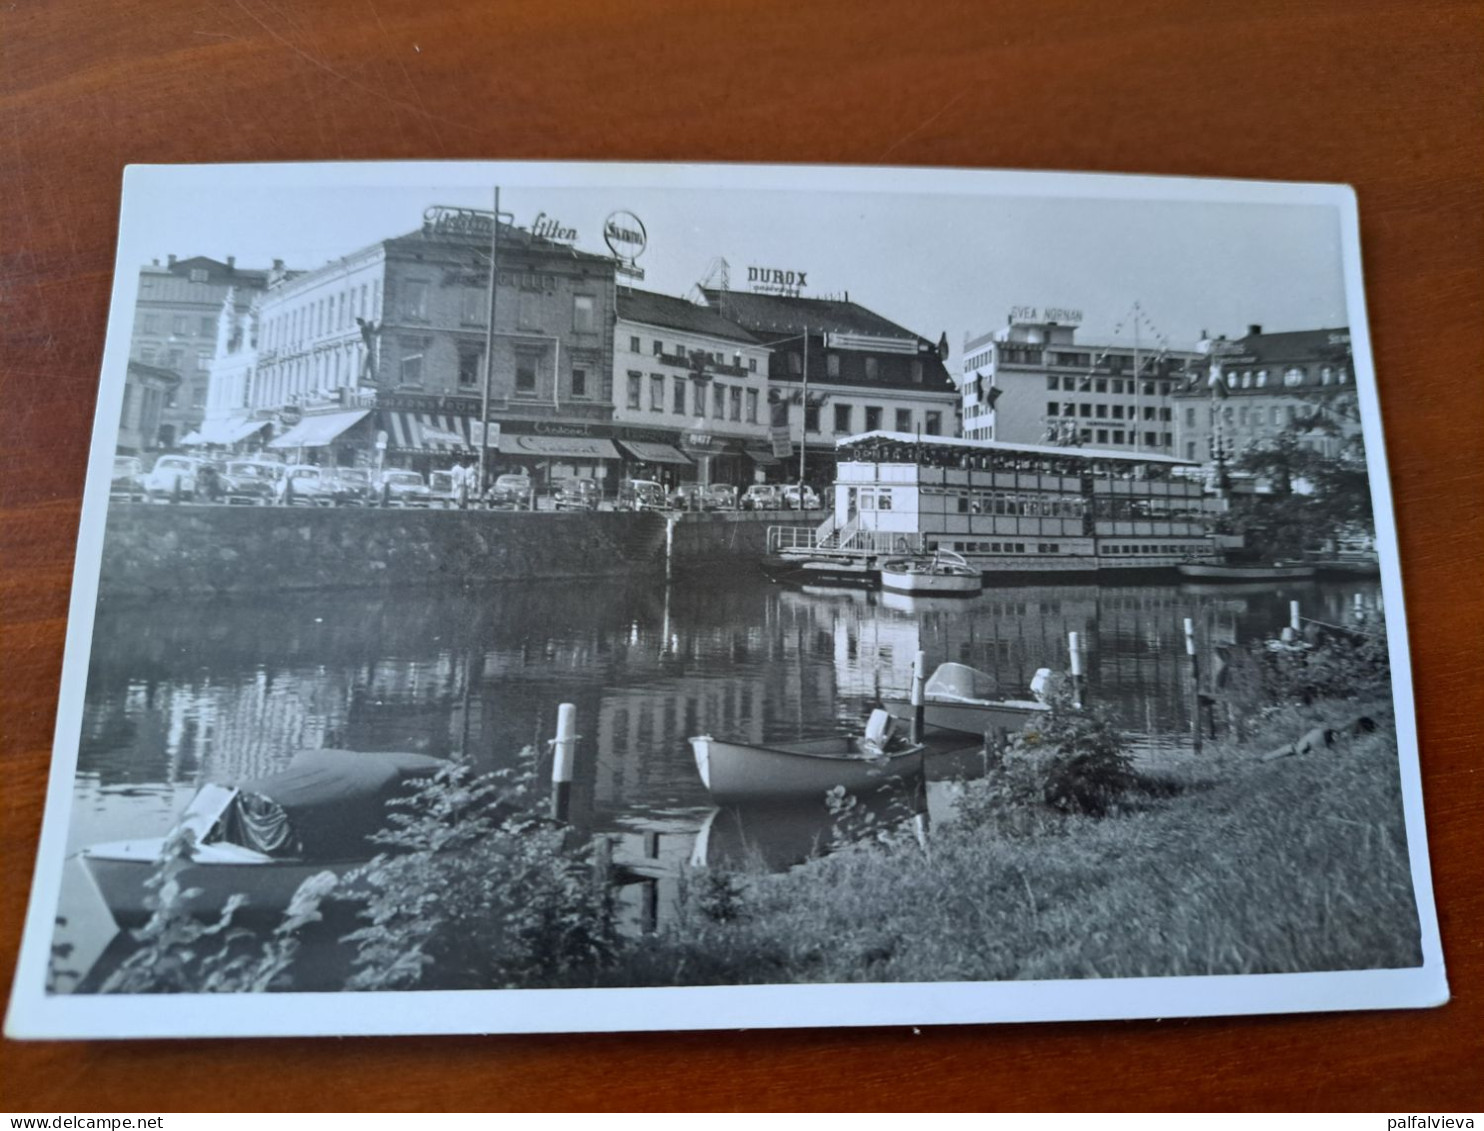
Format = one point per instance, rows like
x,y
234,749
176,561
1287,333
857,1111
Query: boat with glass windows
x,y
1003,508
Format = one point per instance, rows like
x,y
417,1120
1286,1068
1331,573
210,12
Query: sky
x,y
954,258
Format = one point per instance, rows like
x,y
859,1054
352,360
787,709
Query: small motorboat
x,y
261,839
941,573
1255,571
959,699
743,774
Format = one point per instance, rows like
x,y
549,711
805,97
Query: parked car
x,y
172,477
441,492
791,496
353,487
721,497
762,497
306,485
250,481
687,497
401,488
511,490
128,479
640,495
578,495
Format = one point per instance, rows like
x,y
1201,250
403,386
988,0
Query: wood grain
x,y
1386,96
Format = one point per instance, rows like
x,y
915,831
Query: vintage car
x,y
173,477
400,488
796,498
353,487
128,479
721,497
762,497
687,497
640,495
511,491
578,495
306,485
250,481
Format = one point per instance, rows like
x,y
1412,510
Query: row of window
x,y
1251,416
1123,436
680,349
1005,548
1293,376
1088,410
1183,550
1116,385
726,401
181,325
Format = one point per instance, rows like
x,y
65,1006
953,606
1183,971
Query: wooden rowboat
x,y
957,700
744,774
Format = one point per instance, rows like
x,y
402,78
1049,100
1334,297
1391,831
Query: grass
x,y
1233,866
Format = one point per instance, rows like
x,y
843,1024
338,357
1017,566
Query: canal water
x,y
186,692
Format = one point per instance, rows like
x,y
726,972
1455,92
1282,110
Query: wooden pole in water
x,y
1074,647
564,750
669,544
1195,684
1293,616
919,707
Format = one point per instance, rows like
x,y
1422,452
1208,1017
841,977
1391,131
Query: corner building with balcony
x,y
380,356
864,373
690,392
1032,382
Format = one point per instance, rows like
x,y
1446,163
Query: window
x,y
1053,408
1149,441
584,314
719,401
736,399
529,311
659,348
677,397
1084,410
796,363
178,325
883,499
873,368
811,418
842,418
656,393
1190,418
1326,375
700,399
633,343
468,368
1118,412
1273,416
340,317
208,328
1166,414
1100,386
1055,382
198,275
832,364
472,306
904,420
412,369
636,382
415,300
1262,378
198,397
151,324
147,354
873,417
933,425
1118,435
916,372
525,372
173,358
1292,377
1102,435
203,361
1101,412
751,406
579,381
752,365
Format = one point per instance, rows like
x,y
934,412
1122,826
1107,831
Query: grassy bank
x,y
1234,865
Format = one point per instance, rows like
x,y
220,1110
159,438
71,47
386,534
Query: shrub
x,y
1327,664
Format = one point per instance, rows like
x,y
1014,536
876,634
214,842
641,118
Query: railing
x,y
847,541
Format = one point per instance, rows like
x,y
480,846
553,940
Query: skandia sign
x,y
625,236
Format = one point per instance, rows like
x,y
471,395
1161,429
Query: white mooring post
x,y
670,521
1293,616
563,755
919,708
1074,647
1195,685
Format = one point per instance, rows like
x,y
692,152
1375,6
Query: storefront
x,y
329,439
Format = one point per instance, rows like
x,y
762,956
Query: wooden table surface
x,y
1386,96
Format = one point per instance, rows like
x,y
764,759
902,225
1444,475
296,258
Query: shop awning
x,y
319,431
428,432
762,458
228,430
647,452
560,447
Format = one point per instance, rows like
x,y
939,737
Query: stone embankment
x,y
160,550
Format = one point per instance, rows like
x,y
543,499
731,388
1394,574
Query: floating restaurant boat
x,y
959,699
937,574
261,839
745,774
1235,572
1004,508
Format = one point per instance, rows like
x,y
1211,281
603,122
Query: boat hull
x,y
1197,571
739,774
975,719
856,572
932,584
267,887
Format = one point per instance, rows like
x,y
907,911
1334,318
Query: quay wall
x,y
155,550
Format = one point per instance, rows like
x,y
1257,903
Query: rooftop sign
x,y
773,281
1063,315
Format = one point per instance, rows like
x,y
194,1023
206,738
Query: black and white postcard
x,y
518,597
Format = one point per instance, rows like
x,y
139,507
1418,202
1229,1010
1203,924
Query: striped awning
x,y
648,452
428,432
320,430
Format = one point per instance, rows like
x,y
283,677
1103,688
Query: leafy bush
x,y
479,891
1327,664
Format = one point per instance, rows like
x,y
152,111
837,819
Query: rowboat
x,y
1278,571
959,699
739,773
940,573
262,838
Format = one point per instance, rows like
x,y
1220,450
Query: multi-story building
x,y
1250,389
147,389
1032,382
690,391
863,372
175,328
381,354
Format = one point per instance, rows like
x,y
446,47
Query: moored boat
x,y
1276,571
959,699
739,773
261,839
940,573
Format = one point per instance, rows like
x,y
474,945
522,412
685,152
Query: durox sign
x,y
772,280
